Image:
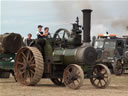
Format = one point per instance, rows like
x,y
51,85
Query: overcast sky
x,y
23,16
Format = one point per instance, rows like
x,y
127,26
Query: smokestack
x,y
86,25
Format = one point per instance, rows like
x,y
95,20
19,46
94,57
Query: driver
x,y
40,33
41,37
46,31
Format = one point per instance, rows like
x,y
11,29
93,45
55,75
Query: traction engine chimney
x,y
86,25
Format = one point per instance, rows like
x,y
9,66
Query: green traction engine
x,y
64,58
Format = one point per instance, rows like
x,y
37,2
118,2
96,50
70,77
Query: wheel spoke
x,y
105,72
94,80
30,75
19,63
25,75
68,72
21,69
23,55
78,81
64,35
75,71
32,66
32,71
104,81
21,73
58,36
32,60
100,82
28,55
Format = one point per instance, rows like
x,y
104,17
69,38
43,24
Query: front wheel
x,y
101,76
73,76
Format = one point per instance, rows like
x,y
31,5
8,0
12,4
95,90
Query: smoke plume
x,y
121,23
65,9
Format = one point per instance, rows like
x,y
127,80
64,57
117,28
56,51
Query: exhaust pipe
x,y
86,25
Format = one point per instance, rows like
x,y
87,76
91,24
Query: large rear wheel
x,y
29,66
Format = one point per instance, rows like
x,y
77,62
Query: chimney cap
x,y
87,10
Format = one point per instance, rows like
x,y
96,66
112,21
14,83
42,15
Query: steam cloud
x,y
66,12
120,23
102,18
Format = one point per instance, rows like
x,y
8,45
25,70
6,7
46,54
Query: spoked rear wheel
x,y
101,76
73,76
58,81
29,66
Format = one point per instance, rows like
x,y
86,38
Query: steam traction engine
x,y
65,59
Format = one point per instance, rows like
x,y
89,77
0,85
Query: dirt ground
x,y
118,87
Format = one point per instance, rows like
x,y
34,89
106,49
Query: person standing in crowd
x,y
28,40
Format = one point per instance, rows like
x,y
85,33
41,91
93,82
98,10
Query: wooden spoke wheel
x,y
73,76
101,76
58,81
118,67
29,66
